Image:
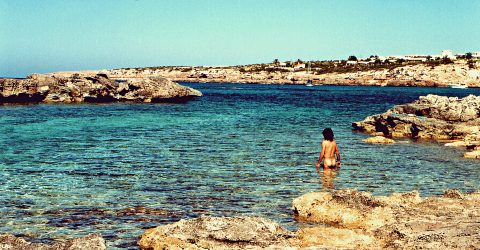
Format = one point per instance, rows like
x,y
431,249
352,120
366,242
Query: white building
x,y
476,54
299,65
448,54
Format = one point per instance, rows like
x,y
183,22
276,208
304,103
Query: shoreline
x,y
366,221
411,74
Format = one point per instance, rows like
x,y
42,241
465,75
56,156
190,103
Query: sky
x,y
40,36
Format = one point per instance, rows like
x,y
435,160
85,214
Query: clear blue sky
x,y
45,35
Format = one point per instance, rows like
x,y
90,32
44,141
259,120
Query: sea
x,y
240,149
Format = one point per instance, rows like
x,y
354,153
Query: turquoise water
x,y
238,150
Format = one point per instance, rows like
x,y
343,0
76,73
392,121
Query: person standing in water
x,y
330,153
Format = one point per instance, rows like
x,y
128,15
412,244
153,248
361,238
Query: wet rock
x,y
97,88
90,242
378,140
217,233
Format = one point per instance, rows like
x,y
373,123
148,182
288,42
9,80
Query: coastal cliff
x,y
96,88
341,219
439,118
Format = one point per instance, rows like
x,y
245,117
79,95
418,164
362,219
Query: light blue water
x,y
238,150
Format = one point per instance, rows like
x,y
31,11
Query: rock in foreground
x,y
99,88
399,221
217,233
90,242
345,219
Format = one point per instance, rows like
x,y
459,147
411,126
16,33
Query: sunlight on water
x,y
71,170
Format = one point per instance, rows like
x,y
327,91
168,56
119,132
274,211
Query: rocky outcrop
x,y
475,154
90,242
432,117
378,140
345,219
398,221
217,233
98,88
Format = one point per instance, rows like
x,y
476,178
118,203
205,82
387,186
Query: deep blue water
x,y
238,150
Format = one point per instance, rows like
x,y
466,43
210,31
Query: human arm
x,y
337,153
320,158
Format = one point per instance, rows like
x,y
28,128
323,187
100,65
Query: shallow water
x,y
238,150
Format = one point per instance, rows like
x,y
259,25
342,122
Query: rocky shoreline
x,y
451,120
345,219
419,75
96,88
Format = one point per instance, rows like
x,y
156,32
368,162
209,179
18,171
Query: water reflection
x,y
327,176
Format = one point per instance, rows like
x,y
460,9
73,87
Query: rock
x,y
472,154
330,237
217,233
90,242
431,117
345,219
378,140
344,208
98,88
456,144
448,222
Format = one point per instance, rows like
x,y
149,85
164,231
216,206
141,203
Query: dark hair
x,y
328,134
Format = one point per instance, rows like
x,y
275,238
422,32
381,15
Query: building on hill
x,y
299,65
448,54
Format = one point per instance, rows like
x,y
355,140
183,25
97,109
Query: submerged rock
x,y
99,88
90,242
217,233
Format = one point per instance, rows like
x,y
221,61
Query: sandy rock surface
x,y
217,233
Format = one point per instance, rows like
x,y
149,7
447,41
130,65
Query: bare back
x,y
330,149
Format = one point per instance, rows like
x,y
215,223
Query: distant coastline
x,y
413,71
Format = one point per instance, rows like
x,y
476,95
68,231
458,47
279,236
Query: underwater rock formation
x,y
90,242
